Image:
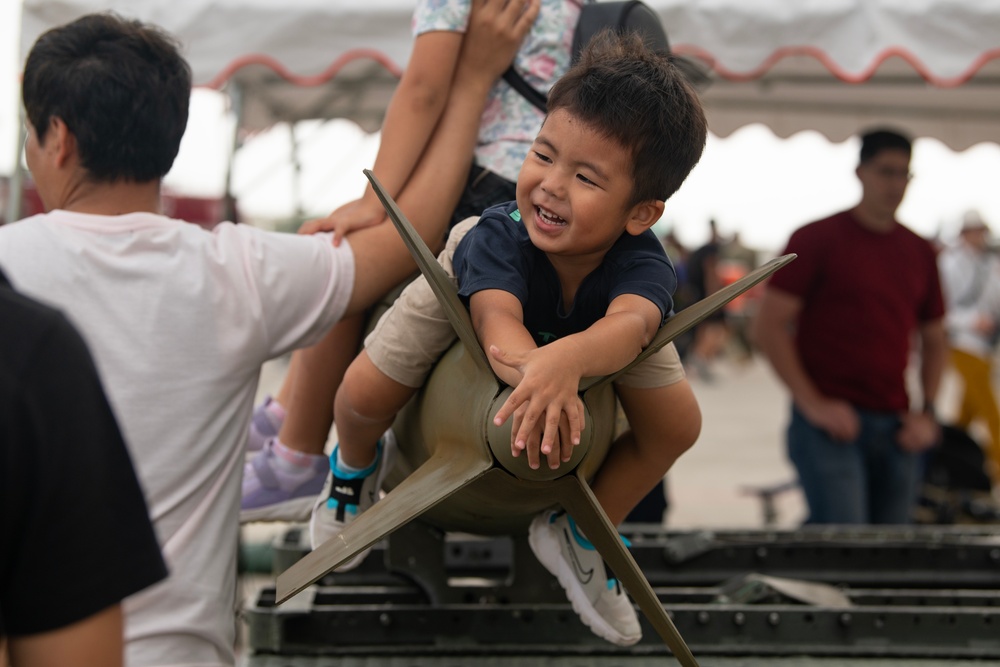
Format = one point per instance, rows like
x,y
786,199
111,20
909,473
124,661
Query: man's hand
x,y
918,432
495,32
352,215
836,417
545,403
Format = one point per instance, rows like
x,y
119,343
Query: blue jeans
x,y
869,480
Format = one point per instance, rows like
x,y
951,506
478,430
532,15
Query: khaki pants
x,y
978,401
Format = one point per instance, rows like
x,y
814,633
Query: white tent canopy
x,y
931,67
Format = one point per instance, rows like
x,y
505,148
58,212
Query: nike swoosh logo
x,y
583,575
346,490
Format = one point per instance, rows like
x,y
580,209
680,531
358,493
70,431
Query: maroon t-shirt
x,y
863,295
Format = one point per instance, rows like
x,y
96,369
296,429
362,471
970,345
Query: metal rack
x,y
872,593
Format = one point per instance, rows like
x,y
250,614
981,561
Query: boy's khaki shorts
x,y
413,334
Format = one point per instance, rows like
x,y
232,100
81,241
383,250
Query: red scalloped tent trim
x,y
299,80
837,71
681,49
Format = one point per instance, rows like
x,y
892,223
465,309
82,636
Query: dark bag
x,y
631,15
958,464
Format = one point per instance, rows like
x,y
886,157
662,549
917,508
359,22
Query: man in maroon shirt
x,y
837,325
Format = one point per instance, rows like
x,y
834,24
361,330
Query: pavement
x,y
741,448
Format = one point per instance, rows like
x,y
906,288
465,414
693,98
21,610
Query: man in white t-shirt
x,y
180,319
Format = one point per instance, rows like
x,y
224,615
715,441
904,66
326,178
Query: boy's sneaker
x,y
600,601
274,493
346,495
264,424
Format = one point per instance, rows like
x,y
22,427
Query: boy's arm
x,y
497,318
552,373
410,118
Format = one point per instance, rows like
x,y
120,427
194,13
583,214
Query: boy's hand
x,y
495,32
557,455
546,401
355,214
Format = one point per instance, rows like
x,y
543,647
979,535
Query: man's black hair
x,y
877,140
120,86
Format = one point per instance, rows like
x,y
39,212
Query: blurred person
x,y
702,279
735,261
66,483
179,318
970,276
837,325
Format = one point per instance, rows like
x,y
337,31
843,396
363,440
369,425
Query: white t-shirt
x,y
970,280
179,321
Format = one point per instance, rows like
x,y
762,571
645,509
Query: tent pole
x,y
296,174
235,92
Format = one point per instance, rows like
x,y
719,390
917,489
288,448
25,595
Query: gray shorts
x,y
413,334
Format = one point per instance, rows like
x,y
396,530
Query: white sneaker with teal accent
x,y
346,495
600,602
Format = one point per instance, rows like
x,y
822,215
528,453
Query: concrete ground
x,y
741,447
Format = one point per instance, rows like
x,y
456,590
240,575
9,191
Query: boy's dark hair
x,y
121,87
877,140
640,99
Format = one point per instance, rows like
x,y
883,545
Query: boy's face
x,y
573,191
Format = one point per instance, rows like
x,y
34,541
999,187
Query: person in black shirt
x,y
76,534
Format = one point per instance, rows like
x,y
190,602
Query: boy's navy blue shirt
x,y
498,254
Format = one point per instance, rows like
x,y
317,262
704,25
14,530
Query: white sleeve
x,y
301,285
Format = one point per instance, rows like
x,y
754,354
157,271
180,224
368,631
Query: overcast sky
x,y
752,182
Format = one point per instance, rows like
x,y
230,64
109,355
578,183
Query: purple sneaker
x,y
264,425
273,494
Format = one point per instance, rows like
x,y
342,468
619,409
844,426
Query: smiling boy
x,y
566,282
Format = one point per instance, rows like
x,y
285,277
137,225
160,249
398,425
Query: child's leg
x,y
282,480
398,355
284,395
364,409
664,422
314,385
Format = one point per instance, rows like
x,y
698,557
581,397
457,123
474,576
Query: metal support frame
x,y
915,593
